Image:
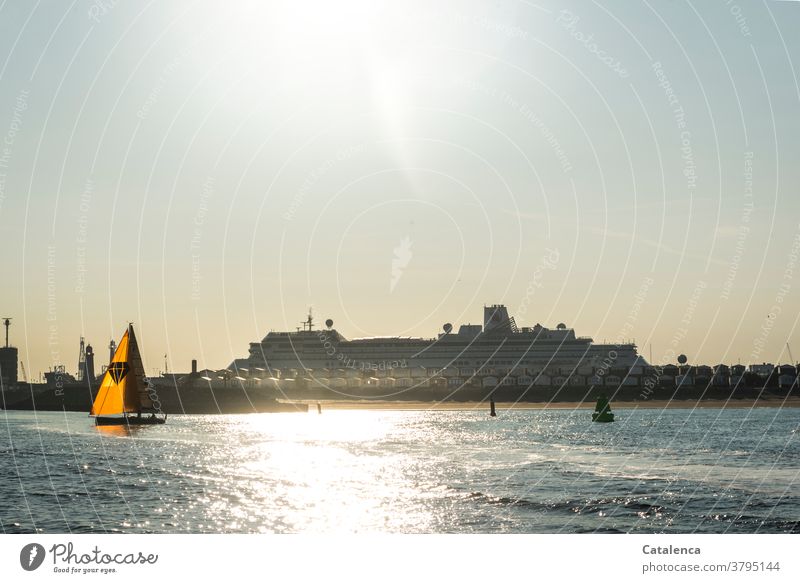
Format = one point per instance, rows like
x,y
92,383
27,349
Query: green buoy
x,y
602,410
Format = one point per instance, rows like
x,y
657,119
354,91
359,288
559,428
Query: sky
x,y
210,172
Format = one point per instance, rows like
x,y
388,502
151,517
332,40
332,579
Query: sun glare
x,y
311,40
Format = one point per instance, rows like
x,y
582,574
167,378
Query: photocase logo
x,y
402,256
31,556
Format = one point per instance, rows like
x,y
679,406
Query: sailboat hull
x,y
130,420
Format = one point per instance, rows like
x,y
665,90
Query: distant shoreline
x,y
357,405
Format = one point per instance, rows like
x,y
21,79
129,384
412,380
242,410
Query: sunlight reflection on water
x,y
409,471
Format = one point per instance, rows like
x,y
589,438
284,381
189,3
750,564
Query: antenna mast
x,y
308,324
7,324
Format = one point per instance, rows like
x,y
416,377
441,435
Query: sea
x,y
356,471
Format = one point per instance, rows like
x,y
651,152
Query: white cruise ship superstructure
x,y
498,350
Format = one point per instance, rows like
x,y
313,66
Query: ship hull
x,y
190,398
130,420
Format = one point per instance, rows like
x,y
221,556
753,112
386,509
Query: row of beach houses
x,y
783,376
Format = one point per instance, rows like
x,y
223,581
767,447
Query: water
x,y
706,470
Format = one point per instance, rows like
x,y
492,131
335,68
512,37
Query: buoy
x,y
602,410
492,412
319,408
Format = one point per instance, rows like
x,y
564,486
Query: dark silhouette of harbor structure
x,y
241,390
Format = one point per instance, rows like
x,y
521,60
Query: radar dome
x,y
561,326
682,359
447,328
329,322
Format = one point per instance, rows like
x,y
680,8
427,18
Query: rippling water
x,y
706,470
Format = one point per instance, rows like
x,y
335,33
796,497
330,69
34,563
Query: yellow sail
x,y
119,391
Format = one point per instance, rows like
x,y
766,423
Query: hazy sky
x,y
210,170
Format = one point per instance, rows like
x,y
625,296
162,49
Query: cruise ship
x,y
498,352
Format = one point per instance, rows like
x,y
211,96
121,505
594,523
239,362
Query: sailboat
x,y
602,410
124,397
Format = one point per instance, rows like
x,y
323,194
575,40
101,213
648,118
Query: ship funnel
x,y
496,318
